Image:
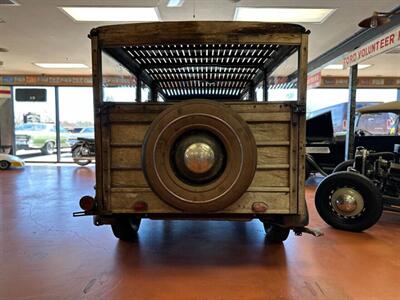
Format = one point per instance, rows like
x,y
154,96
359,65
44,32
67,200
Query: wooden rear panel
x,y
274,127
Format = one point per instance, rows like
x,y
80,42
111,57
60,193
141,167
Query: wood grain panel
x,y
126,157
265,178
272,155
128,178
127,133
270,125
270,131
276,202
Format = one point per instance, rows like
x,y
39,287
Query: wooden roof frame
x,y
113,38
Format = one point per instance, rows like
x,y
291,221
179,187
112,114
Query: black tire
x,y
126,227
77,153
275,234
48,148
4,165
343,166
372,199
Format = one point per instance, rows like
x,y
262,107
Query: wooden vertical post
x,y
301,101
351,111
97,102
138,89
252,91
265,86
154,93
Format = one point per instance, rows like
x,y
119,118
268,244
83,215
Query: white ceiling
x,y
37,31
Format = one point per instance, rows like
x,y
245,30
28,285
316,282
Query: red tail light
x,y
87,203
140,206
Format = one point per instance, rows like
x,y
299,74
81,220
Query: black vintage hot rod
x,y
355,193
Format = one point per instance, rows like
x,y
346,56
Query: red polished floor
x,y
47,254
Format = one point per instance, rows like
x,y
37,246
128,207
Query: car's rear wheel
x,y
48,148
275,234
348,201
4,165
126,227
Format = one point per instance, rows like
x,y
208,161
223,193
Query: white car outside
x,y
8,160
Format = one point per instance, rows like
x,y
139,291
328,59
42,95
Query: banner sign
x,y
60,80
386,42
362,82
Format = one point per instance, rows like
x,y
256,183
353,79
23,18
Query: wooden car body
x,y
174,60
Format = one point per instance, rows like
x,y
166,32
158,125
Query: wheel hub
x,y
347,202
199,158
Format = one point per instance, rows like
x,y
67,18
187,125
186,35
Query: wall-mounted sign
x,y
31,95
382,44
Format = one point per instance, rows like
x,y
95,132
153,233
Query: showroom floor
x,y
47,254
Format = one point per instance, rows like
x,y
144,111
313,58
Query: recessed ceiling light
x,y
61,65
175,3
8,3
360,67
112,14
340,67
284,15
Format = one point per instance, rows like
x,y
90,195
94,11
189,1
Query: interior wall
x,y
6,121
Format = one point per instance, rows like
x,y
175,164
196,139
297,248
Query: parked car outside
x,y
86,132
39,136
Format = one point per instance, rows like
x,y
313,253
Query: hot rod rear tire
x,y
126,227
348,201
343,166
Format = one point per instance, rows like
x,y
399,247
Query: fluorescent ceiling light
x,y
112,14
175,3
61,66
284,15
340,67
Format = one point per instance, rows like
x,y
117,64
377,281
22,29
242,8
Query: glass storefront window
x,y
76,117
119,85
145,93
34,117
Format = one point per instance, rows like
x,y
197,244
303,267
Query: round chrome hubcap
x,y
347,202
199,158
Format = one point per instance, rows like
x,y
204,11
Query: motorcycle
x,y
83,151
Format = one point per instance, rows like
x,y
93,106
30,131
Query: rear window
x,y
378,123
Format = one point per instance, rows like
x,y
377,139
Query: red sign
x,y
384,43
314,80
5,92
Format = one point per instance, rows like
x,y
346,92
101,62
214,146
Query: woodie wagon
x,y
181,134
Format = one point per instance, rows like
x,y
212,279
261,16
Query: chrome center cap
x,y
347,202
199,158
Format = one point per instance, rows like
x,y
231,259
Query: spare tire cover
x,y
212,119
